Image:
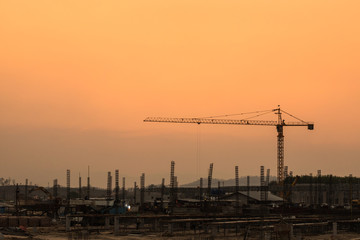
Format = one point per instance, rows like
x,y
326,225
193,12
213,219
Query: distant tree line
x,y
6,181
325,179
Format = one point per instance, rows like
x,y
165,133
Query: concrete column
x,y
68,222
116,225
334,228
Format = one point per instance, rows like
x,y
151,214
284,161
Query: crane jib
x,y
227,121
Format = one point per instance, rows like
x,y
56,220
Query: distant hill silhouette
x,y
254,181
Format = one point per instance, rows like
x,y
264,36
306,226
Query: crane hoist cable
x,y
238,114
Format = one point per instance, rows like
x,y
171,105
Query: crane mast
x,y
279,124
280,147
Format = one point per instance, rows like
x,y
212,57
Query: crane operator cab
x,y
310,126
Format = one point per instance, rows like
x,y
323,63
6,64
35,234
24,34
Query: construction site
x,y
289,206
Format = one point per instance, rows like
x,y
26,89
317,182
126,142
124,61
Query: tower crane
x,y
279,124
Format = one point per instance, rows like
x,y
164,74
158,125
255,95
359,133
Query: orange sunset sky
x,y
77,78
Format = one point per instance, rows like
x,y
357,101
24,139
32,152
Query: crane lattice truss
x,y
279,124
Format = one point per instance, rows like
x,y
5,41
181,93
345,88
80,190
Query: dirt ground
x,y
60,234
110,236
